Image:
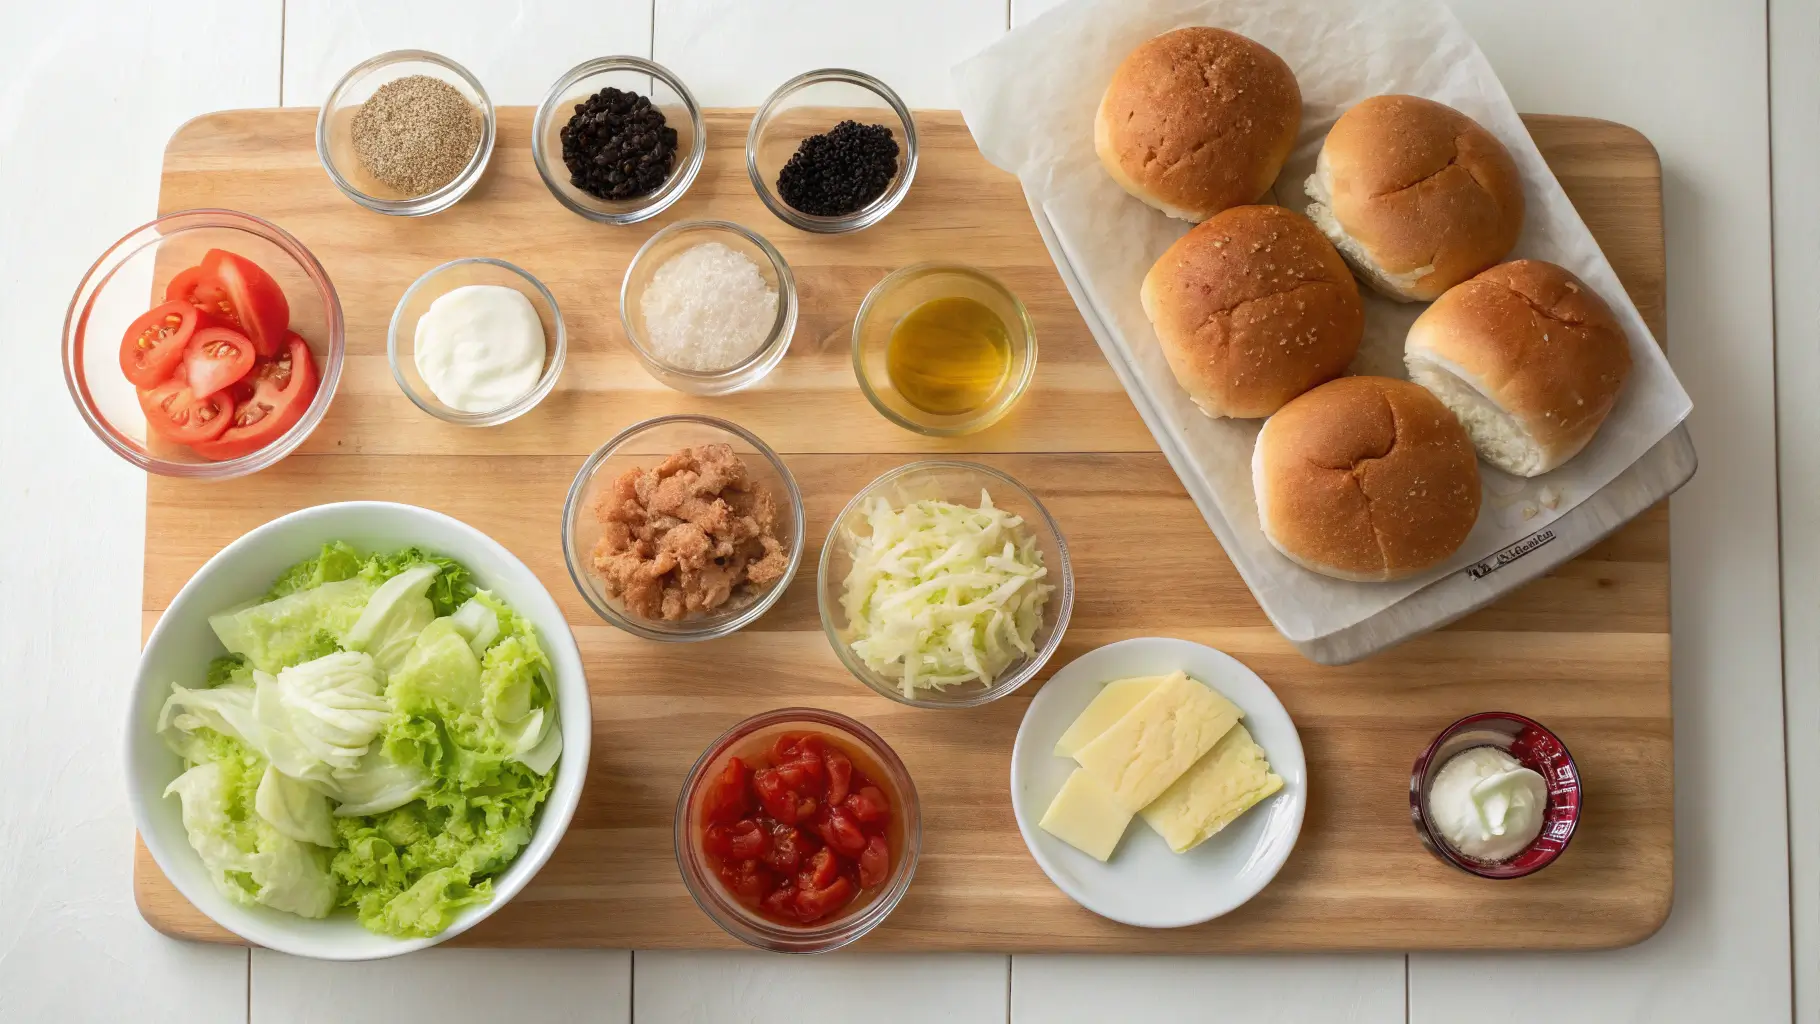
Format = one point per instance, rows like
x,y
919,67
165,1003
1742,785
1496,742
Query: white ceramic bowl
x,y
182,645
1144,884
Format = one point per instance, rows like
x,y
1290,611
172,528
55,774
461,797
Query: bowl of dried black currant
x,y
618,139
832,151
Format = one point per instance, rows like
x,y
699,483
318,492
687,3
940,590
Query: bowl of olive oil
x,y
943,349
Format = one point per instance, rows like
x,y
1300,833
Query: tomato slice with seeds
x,y
215,358
256,299
155,343
172,411
282,389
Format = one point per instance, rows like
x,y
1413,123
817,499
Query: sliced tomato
x,y
215,358
841,831
822,870
778,799
869,805
725,801
282,389
257,300
155,343
173,412
875,862
840,774
815,904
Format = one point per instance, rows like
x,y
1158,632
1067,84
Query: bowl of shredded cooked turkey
x,y
937,601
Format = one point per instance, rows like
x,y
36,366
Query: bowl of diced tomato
x,y
205,344
798,830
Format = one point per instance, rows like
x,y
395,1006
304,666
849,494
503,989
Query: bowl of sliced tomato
x,y
205,344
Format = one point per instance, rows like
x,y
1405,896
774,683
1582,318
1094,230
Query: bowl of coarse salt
x,y
709,306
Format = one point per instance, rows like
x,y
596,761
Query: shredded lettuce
x,y
941,594
379,736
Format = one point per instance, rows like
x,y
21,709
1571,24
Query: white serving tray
x,y
1660,472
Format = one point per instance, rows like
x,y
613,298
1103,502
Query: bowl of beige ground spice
x,y
406,133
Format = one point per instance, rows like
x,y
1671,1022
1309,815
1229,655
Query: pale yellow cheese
x,y
1110,705
1161,737
1084,816
1233,778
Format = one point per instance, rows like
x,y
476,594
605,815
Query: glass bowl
x,y
810,104
643,446
130,278
1535,747
961,483
335,136
401,336
904,290
666,245
631,74
874,757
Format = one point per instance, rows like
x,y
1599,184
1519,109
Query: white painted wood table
x,y
91,89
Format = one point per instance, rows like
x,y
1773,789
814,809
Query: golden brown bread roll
x,y
1198,120
1253,308
1416,195
1528,357
1366,478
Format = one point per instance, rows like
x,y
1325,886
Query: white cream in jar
x,y
480,347
1486,805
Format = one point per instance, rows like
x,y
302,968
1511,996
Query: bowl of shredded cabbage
x,y
357,731
945,585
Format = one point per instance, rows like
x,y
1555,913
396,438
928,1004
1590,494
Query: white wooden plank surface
x,y
1254,989
87,97
765,988
442,986
1691,75
1794,39
516,50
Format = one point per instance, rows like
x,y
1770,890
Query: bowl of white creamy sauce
x,y
1496,795
476,342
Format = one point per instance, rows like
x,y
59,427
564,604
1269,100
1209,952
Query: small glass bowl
x,y
876,759
643,446
666,245
631,74
130,278
335,135
1535,748
902,291
961,483
401,336
810,104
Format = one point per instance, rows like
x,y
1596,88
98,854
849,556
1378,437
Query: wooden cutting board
x,y
1585,650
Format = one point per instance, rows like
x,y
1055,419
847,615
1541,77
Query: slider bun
x,y
1251,309
1198,120
1366,478
1528,357
1416,195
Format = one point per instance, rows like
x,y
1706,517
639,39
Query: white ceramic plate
x,y
182,645
1144,883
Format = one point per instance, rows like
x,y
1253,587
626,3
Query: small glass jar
x,y
630,74
671,242
813,103
401,336
871,755
335,135
1534,747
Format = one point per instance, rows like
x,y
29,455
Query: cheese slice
x,y
1085,816
1110,705
1233,778
1162,736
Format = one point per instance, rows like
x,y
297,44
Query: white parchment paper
x,y
1030,100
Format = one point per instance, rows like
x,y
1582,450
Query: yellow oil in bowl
x,y
949,356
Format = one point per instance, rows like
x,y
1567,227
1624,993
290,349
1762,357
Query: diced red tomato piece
x,y
814,904
779,802
748,879
842,832
718,840
875,862
787,849
747,840
823,868
840,774
869,805
725,801
781,901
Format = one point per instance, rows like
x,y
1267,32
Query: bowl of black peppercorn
x,y
618,139
832,151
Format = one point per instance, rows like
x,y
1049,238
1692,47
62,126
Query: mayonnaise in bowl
x,y
479,347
